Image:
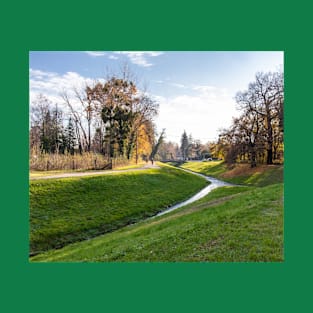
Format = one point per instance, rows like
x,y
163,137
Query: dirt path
x,y
66,175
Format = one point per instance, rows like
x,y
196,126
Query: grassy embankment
x,y
68,210
229,224
261,175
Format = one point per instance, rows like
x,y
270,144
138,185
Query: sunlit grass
x,y
37,174
72,209
262,175
228,225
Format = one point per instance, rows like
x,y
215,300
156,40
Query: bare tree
x,y
265,97
81,133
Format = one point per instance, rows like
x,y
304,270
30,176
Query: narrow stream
x,y
215,183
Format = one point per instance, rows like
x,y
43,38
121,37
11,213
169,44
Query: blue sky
x,y
195,90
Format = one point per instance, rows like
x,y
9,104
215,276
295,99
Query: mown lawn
x,y
231,224
68,210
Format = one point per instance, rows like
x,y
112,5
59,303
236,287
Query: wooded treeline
x,y
256,136
188,149
112,120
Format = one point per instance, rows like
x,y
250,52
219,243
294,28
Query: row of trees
x,y
258,134
189,149
112,118
116,120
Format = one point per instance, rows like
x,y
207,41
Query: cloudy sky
x,y
195,90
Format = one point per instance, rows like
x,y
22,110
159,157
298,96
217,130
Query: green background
x,y
153,287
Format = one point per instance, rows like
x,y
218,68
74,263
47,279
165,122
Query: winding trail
x,y
67,175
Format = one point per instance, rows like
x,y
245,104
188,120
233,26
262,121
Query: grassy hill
x,y
73,209
229,224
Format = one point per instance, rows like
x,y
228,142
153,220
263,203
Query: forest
x,y
255,137
95,127
110,123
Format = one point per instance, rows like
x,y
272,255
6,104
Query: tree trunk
x,y
89,137
269,156
137,147
269,137
253,156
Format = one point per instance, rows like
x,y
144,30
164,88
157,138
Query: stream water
x,y
215,183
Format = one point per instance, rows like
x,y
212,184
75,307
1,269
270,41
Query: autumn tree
x,y
145,141
116,98
111,117
144,110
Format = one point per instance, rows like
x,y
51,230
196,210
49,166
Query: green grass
x,y
128,167
212,168
230,224
238,224
240,173
68,210
35,174
38,174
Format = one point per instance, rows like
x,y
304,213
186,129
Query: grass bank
x,y
261,175
68,210
230,224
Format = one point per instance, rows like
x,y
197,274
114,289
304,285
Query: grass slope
x,y
229,224
261,175
67,210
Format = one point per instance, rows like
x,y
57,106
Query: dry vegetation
x,y
86,161
245,170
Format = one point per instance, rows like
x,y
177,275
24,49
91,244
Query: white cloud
x,y
204,88
178,85
53,84
202,114
140,58
96,53
113,57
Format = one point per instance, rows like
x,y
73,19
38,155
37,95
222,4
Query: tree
x,y
80,130
145,140
184,147
168,151
144,110
40,116
265,97
116,99
46,131
258,132
85,99
157,145
57,130
70,137
124,113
